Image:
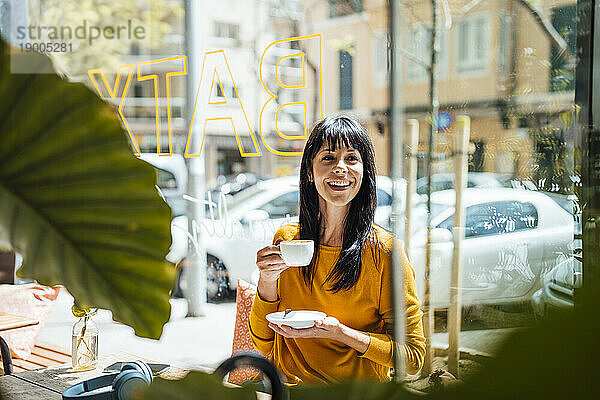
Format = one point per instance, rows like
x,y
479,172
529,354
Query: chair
x,y
42,355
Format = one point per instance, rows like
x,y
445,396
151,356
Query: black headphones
x,y
132,376
278,389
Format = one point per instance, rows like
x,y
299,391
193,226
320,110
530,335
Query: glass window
x,y
562,74
346,101
283,205
226,30
473,44
419,43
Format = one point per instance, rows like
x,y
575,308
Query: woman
x,y
349,277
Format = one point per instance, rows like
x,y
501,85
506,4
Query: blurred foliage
x,y
159,18
76,203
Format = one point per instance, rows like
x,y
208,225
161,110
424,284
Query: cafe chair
x,y
278,389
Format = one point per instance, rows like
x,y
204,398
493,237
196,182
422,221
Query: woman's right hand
x,y
270,266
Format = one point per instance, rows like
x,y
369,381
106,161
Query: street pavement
x,y
200,342
190,343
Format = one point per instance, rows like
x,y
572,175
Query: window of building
x,y
473,44
346,101
381,65
229,91
419,45
226,30
504,38
283,205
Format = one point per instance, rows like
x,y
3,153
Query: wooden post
x,y
428,312
412,141
463,132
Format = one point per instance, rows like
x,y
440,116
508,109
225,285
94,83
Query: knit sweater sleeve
x,y
381,347
262,336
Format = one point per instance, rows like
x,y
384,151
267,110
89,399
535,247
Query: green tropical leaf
x,y
76,202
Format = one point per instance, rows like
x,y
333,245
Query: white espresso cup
x,y
297,253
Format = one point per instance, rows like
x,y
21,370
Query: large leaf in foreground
x,y
76,202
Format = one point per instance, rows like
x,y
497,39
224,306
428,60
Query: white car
x,y
512,237
445,181
234,233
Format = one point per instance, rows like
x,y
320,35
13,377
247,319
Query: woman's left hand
x,y
326,328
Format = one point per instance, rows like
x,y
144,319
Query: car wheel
x,y
217,281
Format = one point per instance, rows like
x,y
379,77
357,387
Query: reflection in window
x,y
496,218
229,91
283,205
504,43
346,101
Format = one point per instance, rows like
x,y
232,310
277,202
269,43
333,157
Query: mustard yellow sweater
x,y
366,307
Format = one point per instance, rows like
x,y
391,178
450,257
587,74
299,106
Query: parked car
x,y
233,235
171,179
512,237
445,181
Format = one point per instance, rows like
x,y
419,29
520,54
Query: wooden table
x,y
9,321
49,383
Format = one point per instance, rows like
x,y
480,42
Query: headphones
x,y
132,376
278,389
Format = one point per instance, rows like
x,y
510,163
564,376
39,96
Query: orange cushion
x,y
242,341
31,301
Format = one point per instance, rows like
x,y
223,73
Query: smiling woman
x,y
348,278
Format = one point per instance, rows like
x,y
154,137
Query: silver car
x,y
512,238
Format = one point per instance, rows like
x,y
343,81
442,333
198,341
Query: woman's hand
x,y
327,328
270,266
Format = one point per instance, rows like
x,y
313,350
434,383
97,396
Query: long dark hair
x,y
358,226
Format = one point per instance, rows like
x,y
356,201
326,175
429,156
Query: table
x,y
49,383
9,321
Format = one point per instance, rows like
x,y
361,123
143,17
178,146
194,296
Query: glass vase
x,y
84,345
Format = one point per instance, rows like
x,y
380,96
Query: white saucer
x,y
296,319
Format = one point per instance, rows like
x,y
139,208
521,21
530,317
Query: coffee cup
x,y
297,253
